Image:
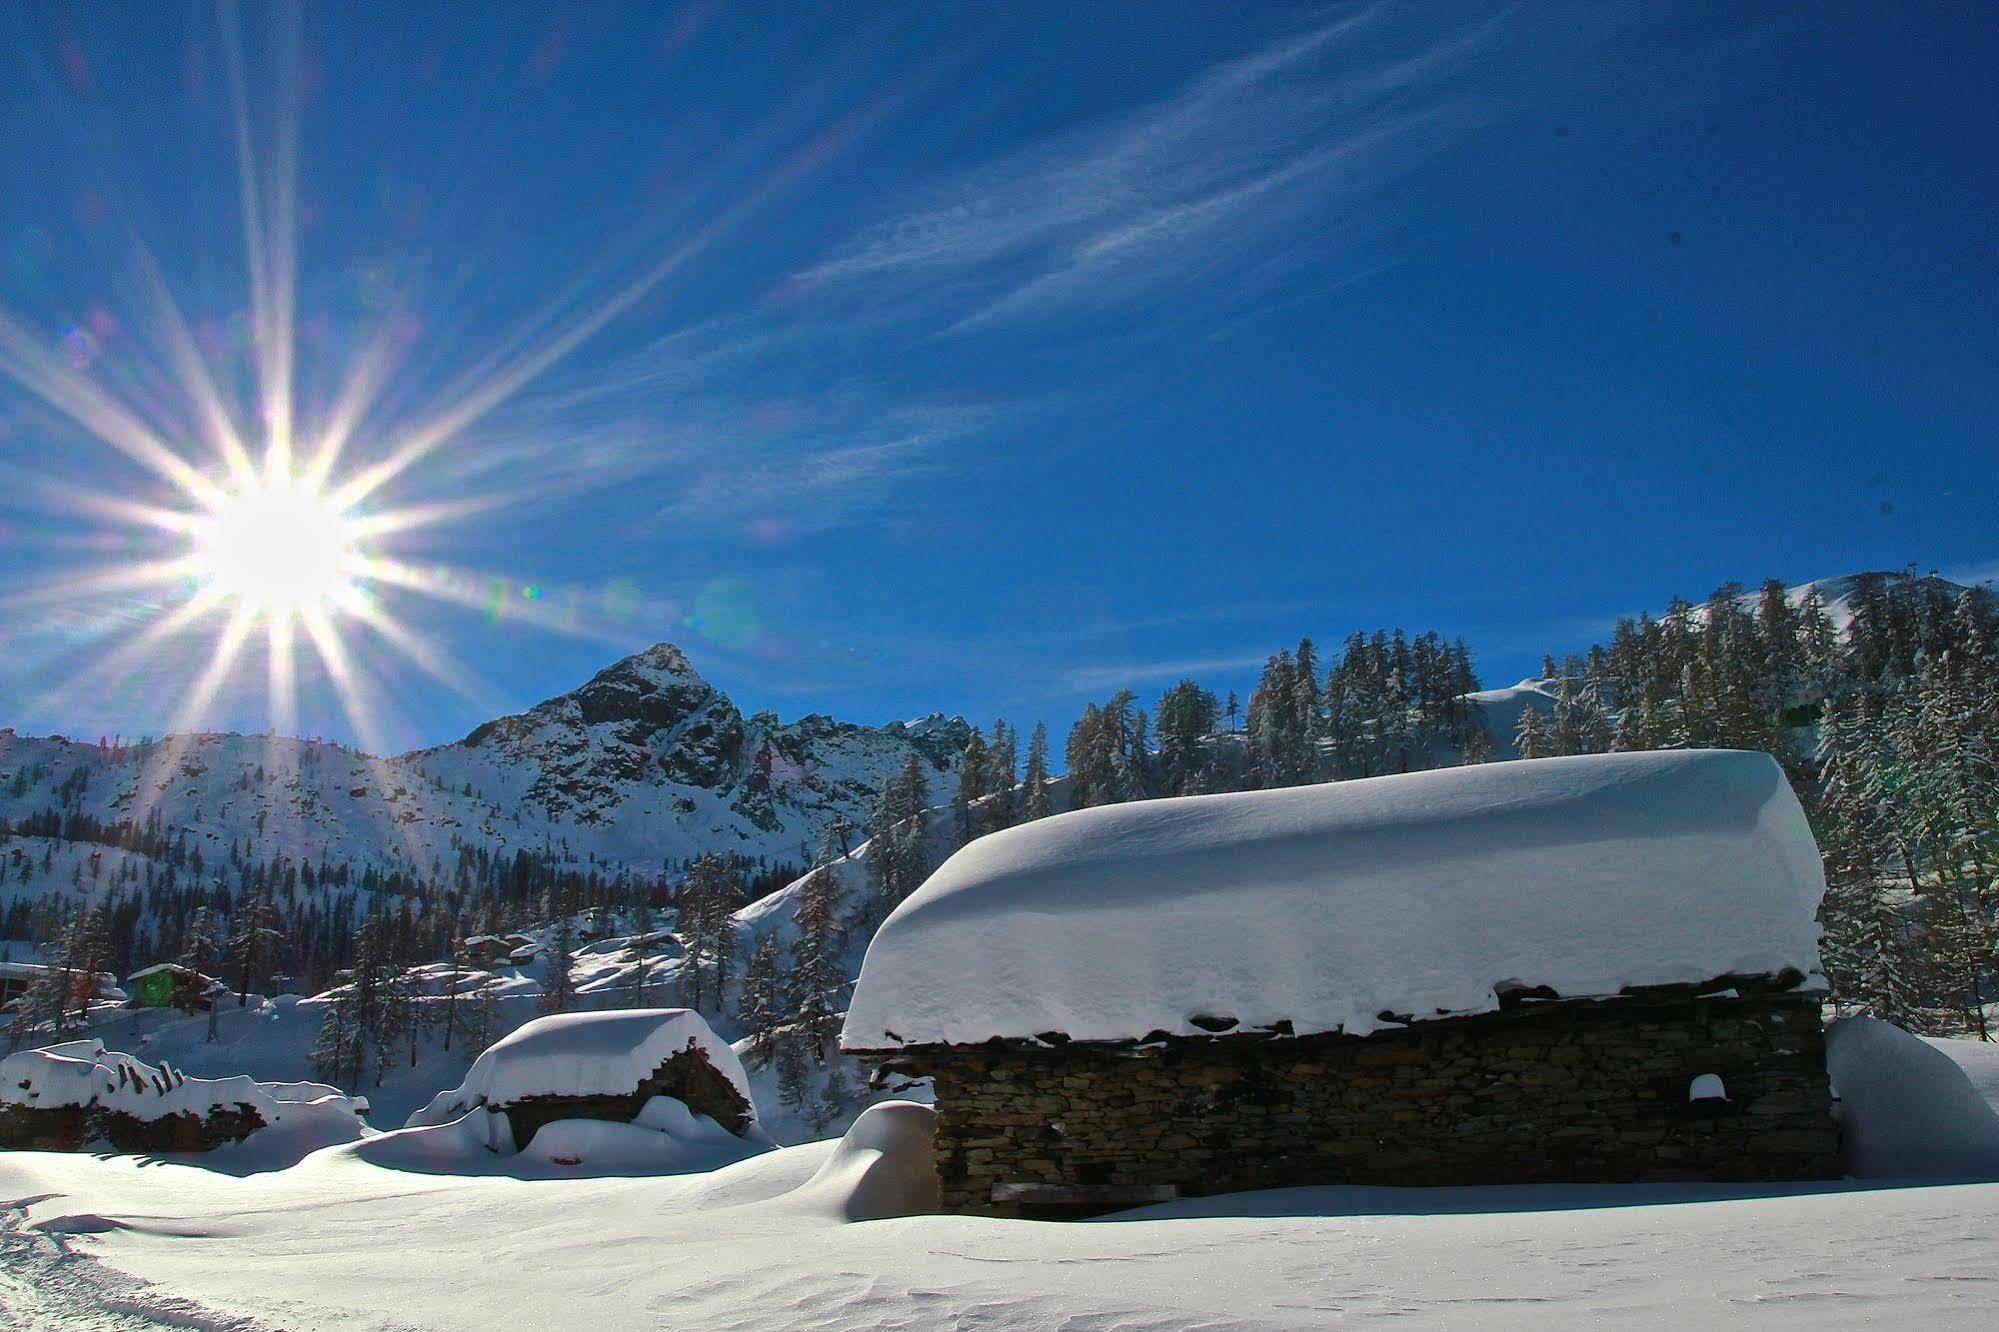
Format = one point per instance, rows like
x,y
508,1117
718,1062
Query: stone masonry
x,y
1542,1092
686,1075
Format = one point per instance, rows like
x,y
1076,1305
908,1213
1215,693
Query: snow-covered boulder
x,y
65,1097
602,1066
1906,1110
1353,906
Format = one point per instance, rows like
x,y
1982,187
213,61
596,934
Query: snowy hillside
x,y
645,763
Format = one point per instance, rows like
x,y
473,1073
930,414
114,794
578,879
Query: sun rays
x,y
249,538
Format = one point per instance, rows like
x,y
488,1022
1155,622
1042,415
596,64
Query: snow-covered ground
x,y
781,1240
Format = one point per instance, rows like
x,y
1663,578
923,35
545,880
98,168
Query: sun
x,y
278,548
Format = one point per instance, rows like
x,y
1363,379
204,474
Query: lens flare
x,y
278,548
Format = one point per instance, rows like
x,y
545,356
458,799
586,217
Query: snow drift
x,y
1346,906
883,1167
1906,1109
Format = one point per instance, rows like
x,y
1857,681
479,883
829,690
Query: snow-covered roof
x,y
584,1054
107,984
169,969
1332,907
83,1073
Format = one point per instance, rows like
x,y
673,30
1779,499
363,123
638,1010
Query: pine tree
x,y
638,953
1039,804
1002,778
816,980
794,1086
835,1100
482,1026
59,999
708,902
898,861
761,1003
972,774
558,986
251,943
337,1052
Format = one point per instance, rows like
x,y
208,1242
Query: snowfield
x,y
814,1237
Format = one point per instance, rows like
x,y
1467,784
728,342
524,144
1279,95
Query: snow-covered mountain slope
x,y
1836,594
645,763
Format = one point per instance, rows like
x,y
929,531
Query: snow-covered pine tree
x,y
1531,738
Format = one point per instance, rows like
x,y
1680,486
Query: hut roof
x,y
1353,906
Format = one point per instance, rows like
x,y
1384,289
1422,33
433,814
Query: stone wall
x,y
1578,1091
76,1128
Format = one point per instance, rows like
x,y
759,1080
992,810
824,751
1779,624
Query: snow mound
x,y
1344,906
583,1054
1907,1111
883,1167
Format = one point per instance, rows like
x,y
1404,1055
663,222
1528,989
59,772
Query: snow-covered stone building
x,y
1599,968
605,1066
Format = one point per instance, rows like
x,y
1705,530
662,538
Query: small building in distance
x,y
1582,969
170,985
16,977
490,950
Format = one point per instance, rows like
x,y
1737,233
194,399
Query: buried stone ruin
x,y
1570,970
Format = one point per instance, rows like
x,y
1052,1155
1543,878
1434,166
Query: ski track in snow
x,y
45,1284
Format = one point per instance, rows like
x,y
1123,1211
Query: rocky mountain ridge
x,y
645,763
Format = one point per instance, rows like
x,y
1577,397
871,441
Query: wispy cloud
x,y
1117,675
1265,155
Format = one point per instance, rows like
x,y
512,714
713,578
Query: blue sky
x,y
984,358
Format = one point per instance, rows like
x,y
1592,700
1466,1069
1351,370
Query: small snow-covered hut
x,y
1506,973
608,1066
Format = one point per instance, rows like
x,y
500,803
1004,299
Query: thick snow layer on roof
x,y
82,1074
583,1054
1329,906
